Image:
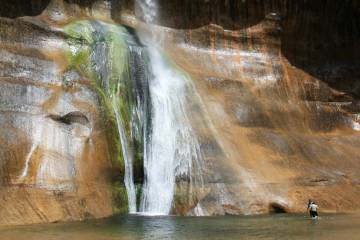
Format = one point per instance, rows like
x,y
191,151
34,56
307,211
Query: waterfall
x,y
173,149
112,57
148,9
149,99
128,159
137,92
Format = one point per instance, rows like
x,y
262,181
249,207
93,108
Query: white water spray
x,y
172,149
128,160
148,9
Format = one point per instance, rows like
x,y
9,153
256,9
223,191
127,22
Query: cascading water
x,y
128,159
147,9
136,89
116,62
173,149
149,98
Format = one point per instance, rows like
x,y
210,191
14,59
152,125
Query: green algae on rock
x,y
115,63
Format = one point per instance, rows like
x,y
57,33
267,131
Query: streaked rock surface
x,y
55,155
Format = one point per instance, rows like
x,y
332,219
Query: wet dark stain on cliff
x,y
323,39
20,8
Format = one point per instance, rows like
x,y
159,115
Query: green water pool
x,y
342,227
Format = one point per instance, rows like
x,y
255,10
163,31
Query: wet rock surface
x,y
54,154
286,125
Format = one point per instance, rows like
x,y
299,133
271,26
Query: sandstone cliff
x,y
279,79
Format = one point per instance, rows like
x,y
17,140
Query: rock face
x,y
279,79
55,155
282,92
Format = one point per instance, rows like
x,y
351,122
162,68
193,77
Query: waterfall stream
x,y
128,160
147,9
173,148
150,100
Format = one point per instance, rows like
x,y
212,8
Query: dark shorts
x,y
313,214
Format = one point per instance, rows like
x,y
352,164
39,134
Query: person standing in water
x,y
312,207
